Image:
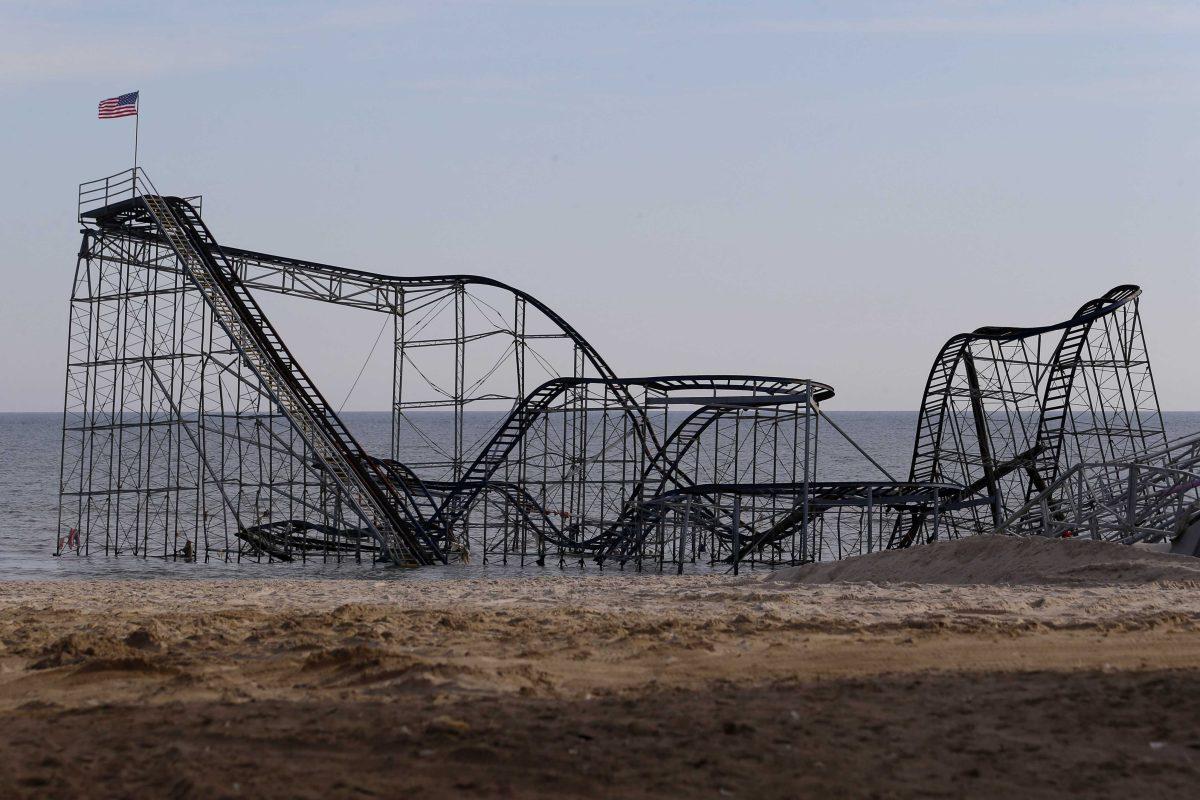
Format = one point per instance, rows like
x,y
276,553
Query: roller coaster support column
x,y
870,514
810,407
399,329
737,531
684,531
1131,502
984,436
937,507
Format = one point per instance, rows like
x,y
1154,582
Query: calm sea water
x,y
30,445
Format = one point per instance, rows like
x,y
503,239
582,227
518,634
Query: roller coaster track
x,y
349,501
390,497
425,505
366,487
664,462
1152,497
1054,403
456,494
637,517
396,511
349,286
284,538
535,516
1057,398
823,496
818,503
334,284
641,513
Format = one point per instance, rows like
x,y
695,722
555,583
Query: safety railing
x,y
124,185
106,191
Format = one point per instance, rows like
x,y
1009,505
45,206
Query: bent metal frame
x,y
190,427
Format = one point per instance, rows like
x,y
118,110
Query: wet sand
x,y
604,686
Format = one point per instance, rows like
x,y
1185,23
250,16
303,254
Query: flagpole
x,y
137,121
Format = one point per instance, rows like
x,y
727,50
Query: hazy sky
x,y
825,189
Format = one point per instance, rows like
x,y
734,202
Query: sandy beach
x,y
985,668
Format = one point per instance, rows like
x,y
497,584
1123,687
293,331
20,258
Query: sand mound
x,y
998,560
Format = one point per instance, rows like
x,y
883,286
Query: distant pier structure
x,y
191,430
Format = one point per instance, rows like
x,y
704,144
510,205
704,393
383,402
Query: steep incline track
x,y
382,504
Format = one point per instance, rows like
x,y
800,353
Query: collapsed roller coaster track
x,y
190,426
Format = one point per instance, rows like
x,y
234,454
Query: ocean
x,y
30,445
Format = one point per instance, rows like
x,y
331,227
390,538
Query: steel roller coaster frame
x,y
188,418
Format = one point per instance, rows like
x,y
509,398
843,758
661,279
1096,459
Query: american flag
x,y
123,106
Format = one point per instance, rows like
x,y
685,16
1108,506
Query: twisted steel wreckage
x,y
190,427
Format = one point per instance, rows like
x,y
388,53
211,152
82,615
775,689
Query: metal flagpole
x,y
137,121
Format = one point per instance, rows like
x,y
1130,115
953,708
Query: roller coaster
x,y
191,430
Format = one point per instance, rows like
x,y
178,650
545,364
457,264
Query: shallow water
x,y
30,445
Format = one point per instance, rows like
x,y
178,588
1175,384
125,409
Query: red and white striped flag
x,y
124,106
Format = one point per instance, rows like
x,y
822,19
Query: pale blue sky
x,y
808,189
